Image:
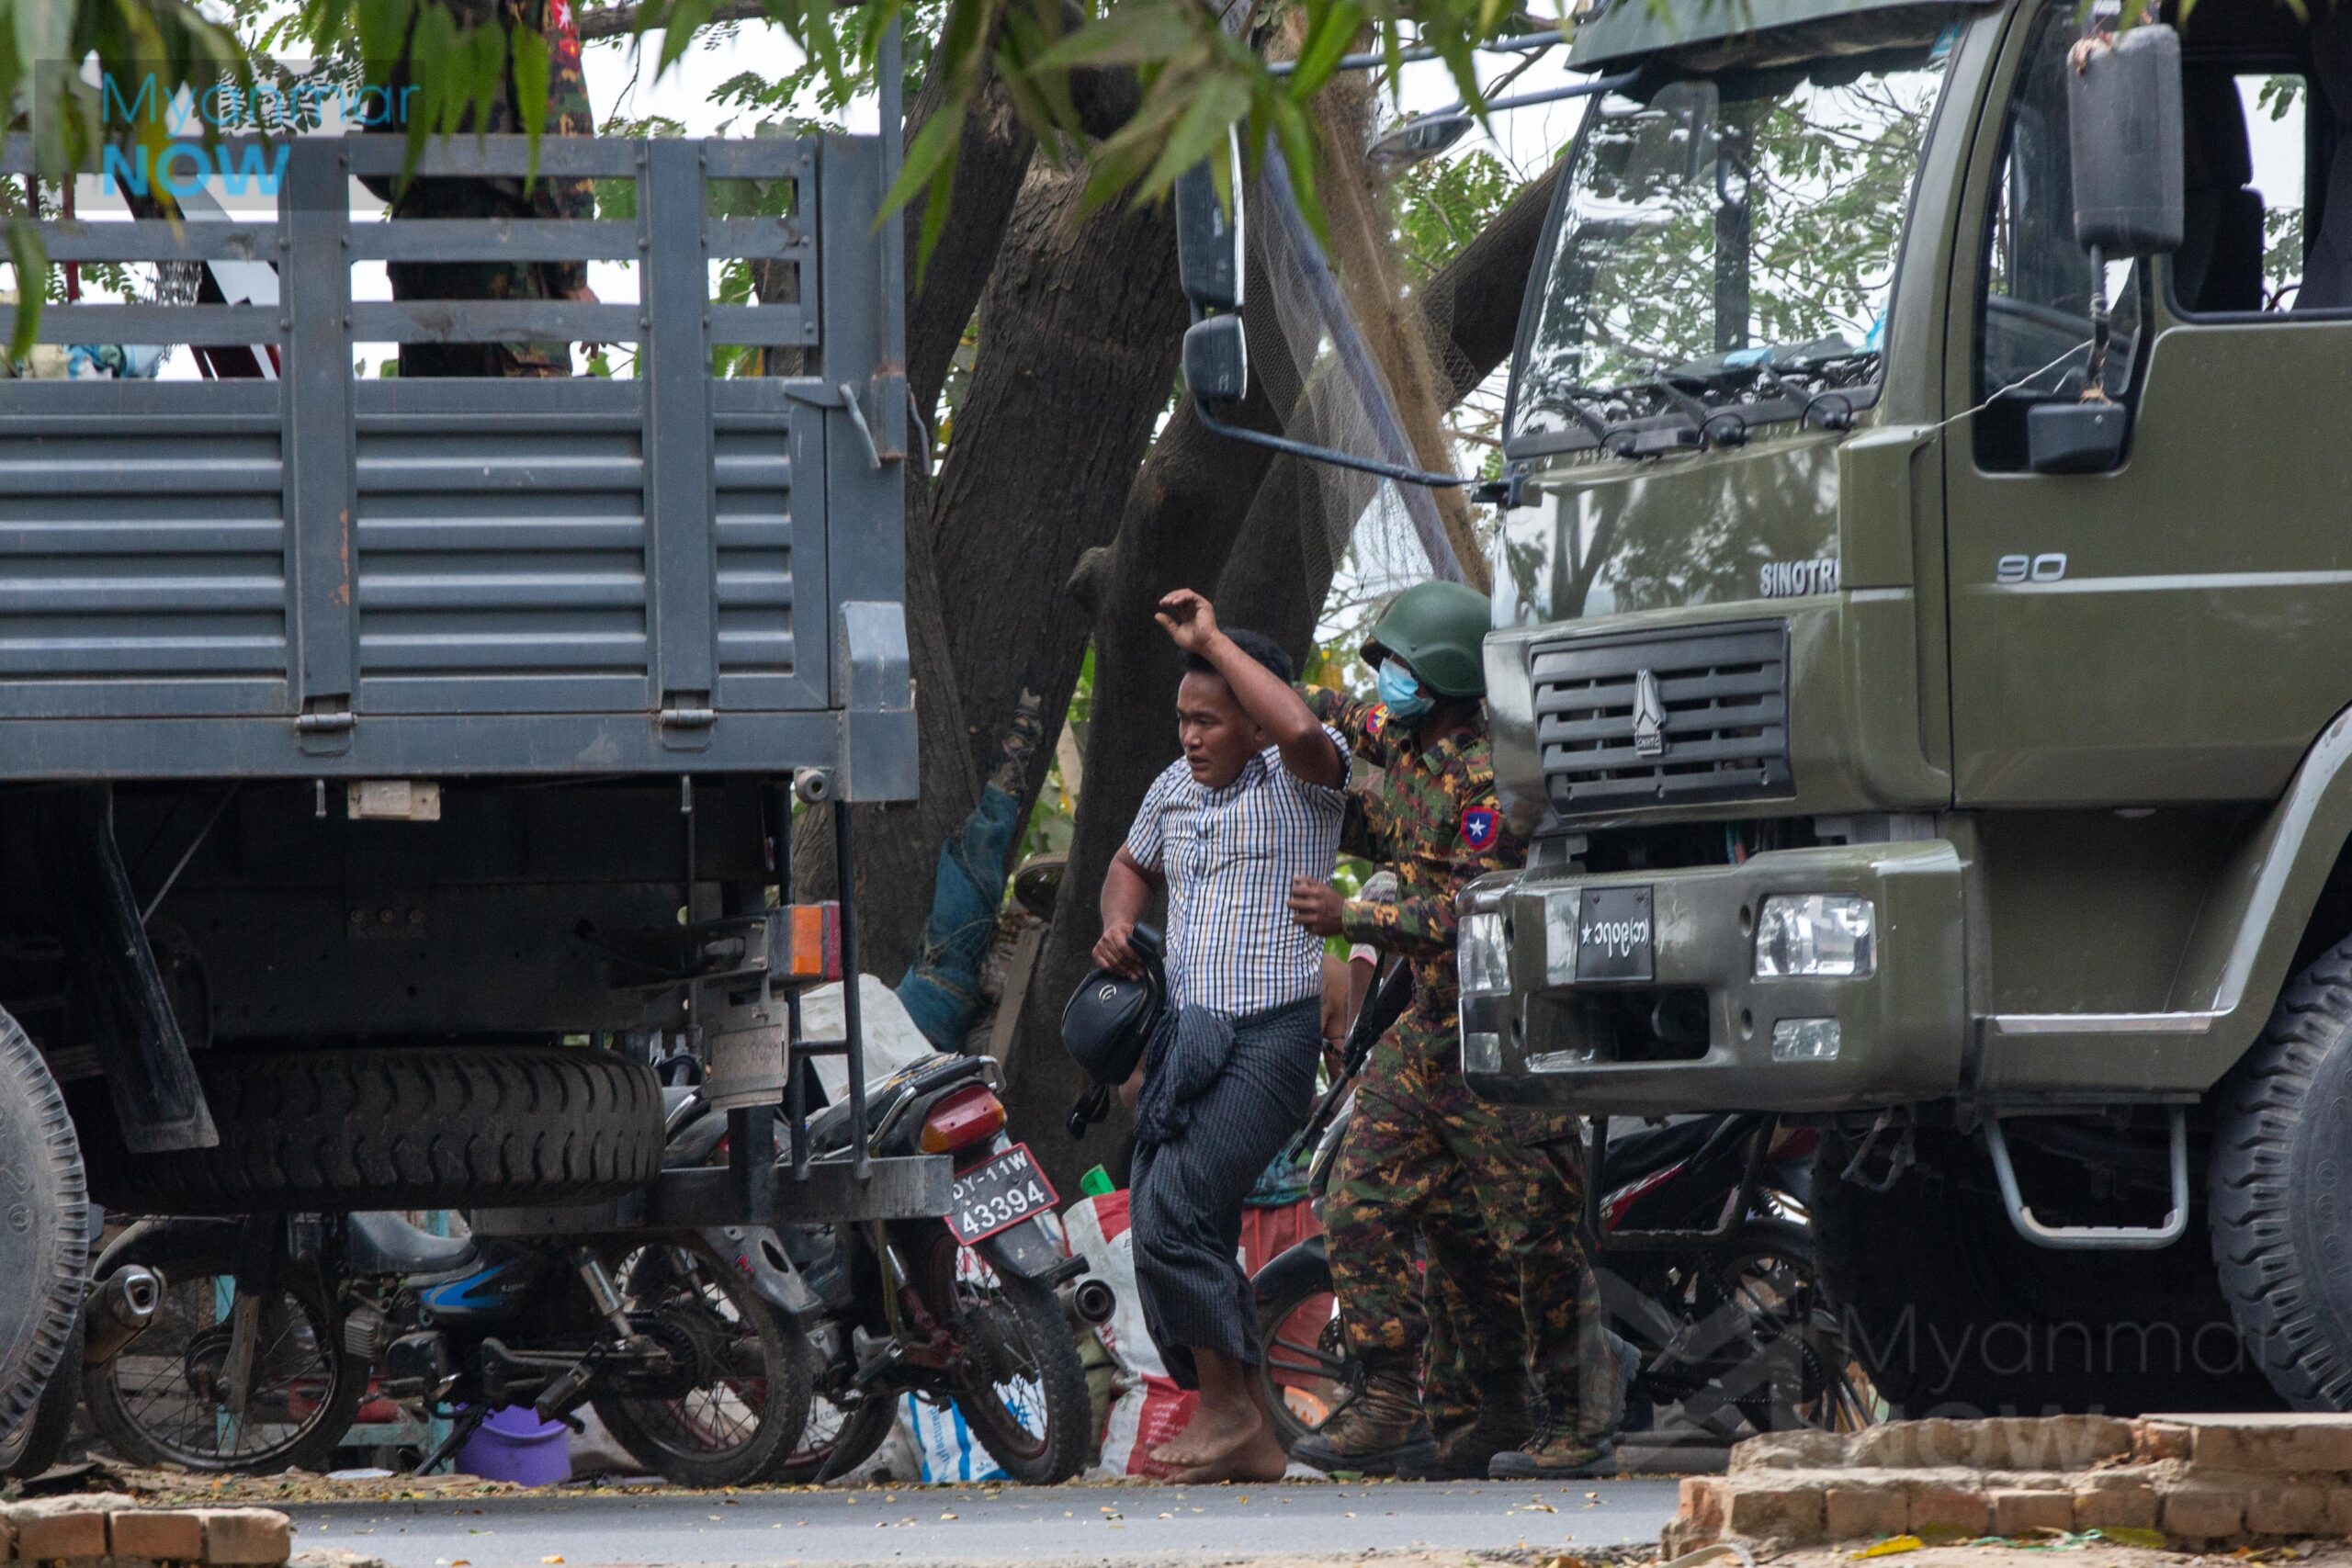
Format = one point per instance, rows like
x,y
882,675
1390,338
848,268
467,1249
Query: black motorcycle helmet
x,y
1108,1024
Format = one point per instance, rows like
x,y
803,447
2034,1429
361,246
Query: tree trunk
x,y
1182,513
1080,328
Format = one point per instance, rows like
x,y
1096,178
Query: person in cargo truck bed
x,y
569,113
1255,800
1418,1142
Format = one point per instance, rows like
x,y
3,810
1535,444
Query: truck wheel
x,y
2280,1190
44,1229
1954,1314
394,1128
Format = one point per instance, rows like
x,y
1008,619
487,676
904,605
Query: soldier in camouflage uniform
x,y
1423,1159
568,114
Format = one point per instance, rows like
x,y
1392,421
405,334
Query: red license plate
x,y
998,1194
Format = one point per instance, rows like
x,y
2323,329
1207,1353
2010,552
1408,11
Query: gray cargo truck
x,y
375,751
1923,658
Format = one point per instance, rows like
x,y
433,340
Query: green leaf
x,y
31,261
1333,27
531,87
1135,34
930,163
1220,101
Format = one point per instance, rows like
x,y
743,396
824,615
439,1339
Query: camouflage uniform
x,y
1478,1180
568,114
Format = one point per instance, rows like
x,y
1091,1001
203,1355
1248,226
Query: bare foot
x,y
1260,1458
1213,1433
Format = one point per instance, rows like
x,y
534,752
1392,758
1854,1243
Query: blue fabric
x,y
1401,693
942,989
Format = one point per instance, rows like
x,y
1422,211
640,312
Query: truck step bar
x,y
2095,1238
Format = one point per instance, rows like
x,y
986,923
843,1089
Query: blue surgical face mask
x,y
1402,694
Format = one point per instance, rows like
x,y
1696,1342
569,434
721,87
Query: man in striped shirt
x,y
1256,800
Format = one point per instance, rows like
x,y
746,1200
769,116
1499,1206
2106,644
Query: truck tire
x,y
44,1229
1954,1314
2280,1190
395,1128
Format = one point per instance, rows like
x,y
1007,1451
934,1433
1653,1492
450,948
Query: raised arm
x,y
1270,701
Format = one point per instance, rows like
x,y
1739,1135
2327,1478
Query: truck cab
x,y
1920,662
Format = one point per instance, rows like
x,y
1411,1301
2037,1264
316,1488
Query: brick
x,y
2122,1503
47,1536
1940,1505
1894,1446
2155,1440
1865,1513
1941,1443
158,1535
1790,1451
1702,1505
2291,1508
2018,1512
2273,1445
1790,1513
2065,1442
249,1537
2203,1512
2339,1511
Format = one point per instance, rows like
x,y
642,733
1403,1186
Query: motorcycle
x,y
980,1310
1705,1264
271,1331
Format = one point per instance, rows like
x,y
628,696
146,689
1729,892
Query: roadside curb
x,y
108,1529
2199,1480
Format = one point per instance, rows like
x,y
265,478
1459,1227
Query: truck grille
x,y
1663,718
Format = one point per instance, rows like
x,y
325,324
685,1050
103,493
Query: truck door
x,y
2177,629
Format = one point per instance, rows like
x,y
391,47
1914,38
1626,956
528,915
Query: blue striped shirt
x,y
1229,856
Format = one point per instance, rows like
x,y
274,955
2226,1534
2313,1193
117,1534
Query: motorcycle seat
x,y
829,1130
1653,1148
381,1242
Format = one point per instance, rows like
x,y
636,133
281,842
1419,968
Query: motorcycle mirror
x,y
1209,234
1398,147
1217,359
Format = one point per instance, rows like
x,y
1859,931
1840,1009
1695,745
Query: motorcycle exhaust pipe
x,y
120,1308
1092,1302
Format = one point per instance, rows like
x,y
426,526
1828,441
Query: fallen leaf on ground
x,y
1892,1546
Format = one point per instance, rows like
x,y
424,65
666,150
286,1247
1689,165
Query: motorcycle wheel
x,y
1780,1360
159,1399
746,1397
1020,1385
837,1439
1303,1356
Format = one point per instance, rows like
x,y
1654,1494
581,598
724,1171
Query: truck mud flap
x,y
149,1072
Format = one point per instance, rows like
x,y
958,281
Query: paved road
x,y
939,1524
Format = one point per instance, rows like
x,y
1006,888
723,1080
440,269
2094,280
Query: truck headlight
x,y
1485,963
1816,936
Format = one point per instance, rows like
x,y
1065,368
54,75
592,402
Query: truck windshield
x,y
1727,243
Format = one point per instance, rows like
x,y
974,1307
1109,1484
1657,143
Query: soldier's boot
x,y
1506,1419
1556,1451
1379,1432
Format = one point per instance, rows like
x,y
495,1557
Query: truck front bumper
x,y
1696,1031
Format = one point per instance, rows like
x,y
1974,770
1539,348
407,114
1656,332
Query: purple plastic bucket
x,y
513,1444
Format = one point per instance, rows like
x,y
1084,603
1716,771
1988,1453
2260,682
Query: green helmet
x,y
1436,628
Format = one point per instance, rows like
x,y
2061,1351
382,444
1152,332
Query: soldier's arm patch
x,y
1481,826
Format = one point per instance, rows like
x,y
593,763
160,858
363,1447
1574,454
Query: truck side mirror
x,y
2124,100
1208,234
1216,360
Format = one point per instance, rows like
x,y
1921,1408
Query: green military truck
x,y
1923,658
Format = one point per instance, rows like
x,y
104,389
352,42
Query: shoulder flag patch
x,y
1481,826
1377,720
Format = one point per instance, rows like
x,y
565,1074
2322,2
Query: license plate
x,y
990,1197
1616,936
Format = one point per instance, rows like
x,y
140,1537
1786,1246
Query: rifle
x,y
1383,1007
